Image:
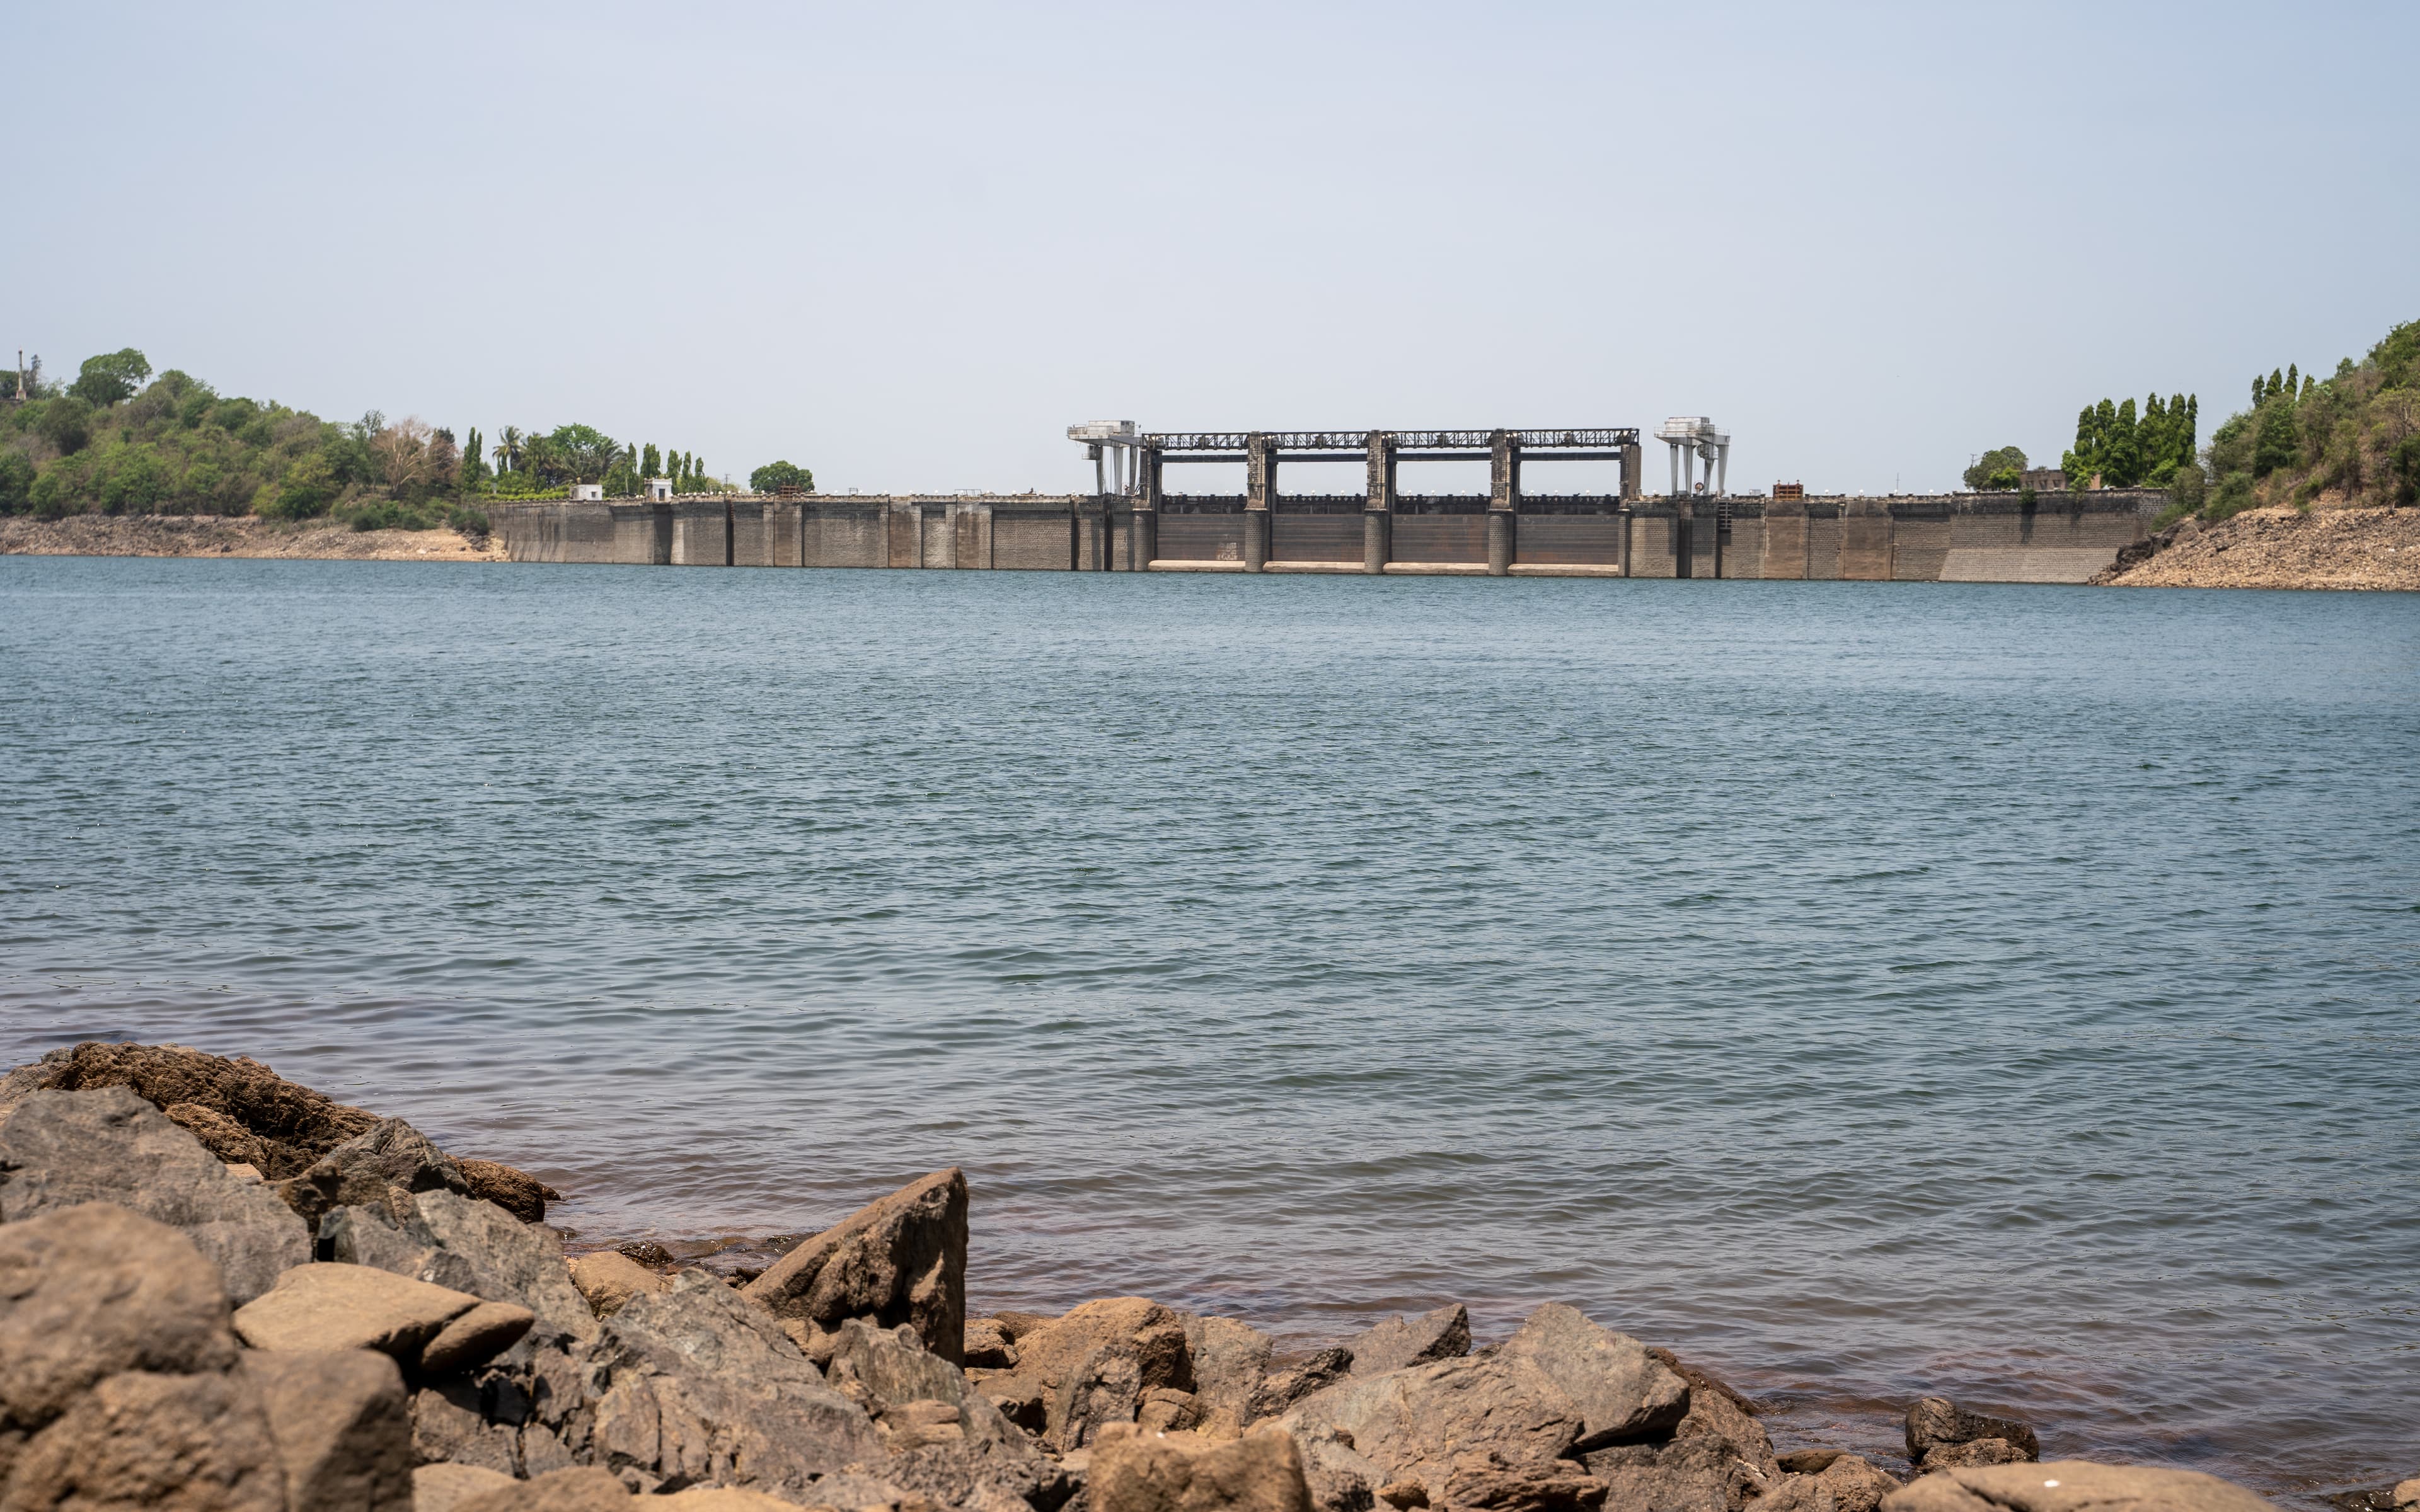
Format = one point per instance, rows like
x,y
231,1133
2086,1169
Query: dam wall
x,y
1963,537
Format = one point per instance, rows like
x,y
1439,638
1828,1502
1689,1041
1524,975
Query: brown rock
x,y
449,1425
1487,1480
609,1279
579,1488
2406,1493
718,1498
1715,1409
1972,1452
443,1488
475,1337
1181,1472
164,1444
1797,1493
1403,1495
516,1192
332,1307
1289,1378
1937,1420
902,1259
1016,1325
1231,1360
2071,1486
62,1149
296,1124
1623,1395
1702,1382
1442,1334
1093,1367
1165,1410
1799,1461
1703,1473
1856,1484
230,1141
92,1291
1415,1423
342,1428
988,1345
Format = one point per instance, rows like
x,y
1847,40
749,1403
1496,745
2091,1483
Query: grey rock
x,y
2071,1486
452,1240
1341,1478
161,1443
450,1424
902,1259
1442,1334
1972,1452
1701,1474
1230,1360
1413,1424
1936,1420
328,1306
886,1369
294,1124
342,1428
1624,1395
1486,1481
92,1291
442,1488
475,1337
1715,1410
61,1150
698,1387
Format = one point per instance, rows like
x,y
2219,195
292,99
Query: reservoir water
x,y
1866,989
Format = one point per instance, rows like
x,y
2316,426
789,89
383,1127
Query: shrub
x,y
386,515
472,523
305,492
2232,497
66,423
16,481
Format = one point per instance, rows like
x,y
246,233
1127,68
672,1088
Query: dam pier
x,y
1133,521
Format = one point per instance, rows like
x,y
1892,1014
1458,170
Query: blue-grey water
x,y
1867,989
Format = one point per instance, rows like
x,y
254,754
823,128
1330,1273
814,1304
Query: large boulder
x,y
1230,1360
330,1307
92,1291
1715,1408
2071,1486
696,1387
59,1150
1624,1394
1854,1483
902,1259
1414,1424
1442,1334
1095,1366
1937,1422
161,1442
341,1425
1489,1483
1134,1472
607,1280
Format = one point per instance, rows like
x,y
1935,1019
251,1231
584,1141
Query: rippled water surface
x,y
1867,988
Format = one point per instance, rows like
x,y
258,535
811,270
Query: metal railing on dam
x,y
1973,537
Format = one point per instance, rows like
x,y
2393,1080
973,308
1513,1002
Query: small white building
x,y
659,488
586,492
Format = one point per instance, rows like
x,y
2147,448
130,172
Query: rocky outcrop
x,y
1936,1424
245,1114
1412,1425
696,1387
1137,1472
59,1150
2071,1486
1442,1334
1094,1366
902,1259
427,1330
1623,1395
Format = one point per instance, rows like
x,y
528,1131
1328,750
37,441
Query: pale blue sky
x,y
907,244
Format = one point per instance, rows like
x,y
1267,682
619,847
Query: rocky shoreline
x,y
216,535
221,1292
2335,548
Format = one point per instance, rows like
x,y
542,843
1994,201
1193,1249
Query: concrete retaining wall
x,y
2003,537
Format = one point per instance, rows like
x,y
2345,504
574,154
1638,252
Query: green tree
x,y
651,462
2276,440
306,491
111,379
16,481
66,423
775,476
2001,468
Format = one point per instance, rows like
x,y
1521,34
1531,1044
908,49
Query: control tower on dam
x,y
1142,517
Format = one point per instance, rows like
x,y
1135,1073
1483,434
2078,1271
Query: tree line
x,y
119,441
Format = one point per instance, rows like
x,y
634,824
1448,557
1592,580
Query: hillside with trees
x,y
2352,437
119,441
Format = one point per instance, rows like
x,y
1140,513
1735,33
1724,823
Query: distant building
x,y
1790,490
2042,480
659,488
587,492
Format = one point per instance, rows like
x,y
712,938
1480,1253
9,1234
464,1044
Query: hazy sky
x,y
907,244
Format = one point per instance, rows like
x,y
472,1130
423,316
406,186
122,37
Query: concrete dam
x,y
1133,523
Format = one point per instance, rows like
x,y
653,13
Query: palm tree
x,y
508,449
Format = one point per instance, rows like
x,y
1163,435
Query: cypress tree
x,y
2290,376
2276,382
2191,435
651,462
